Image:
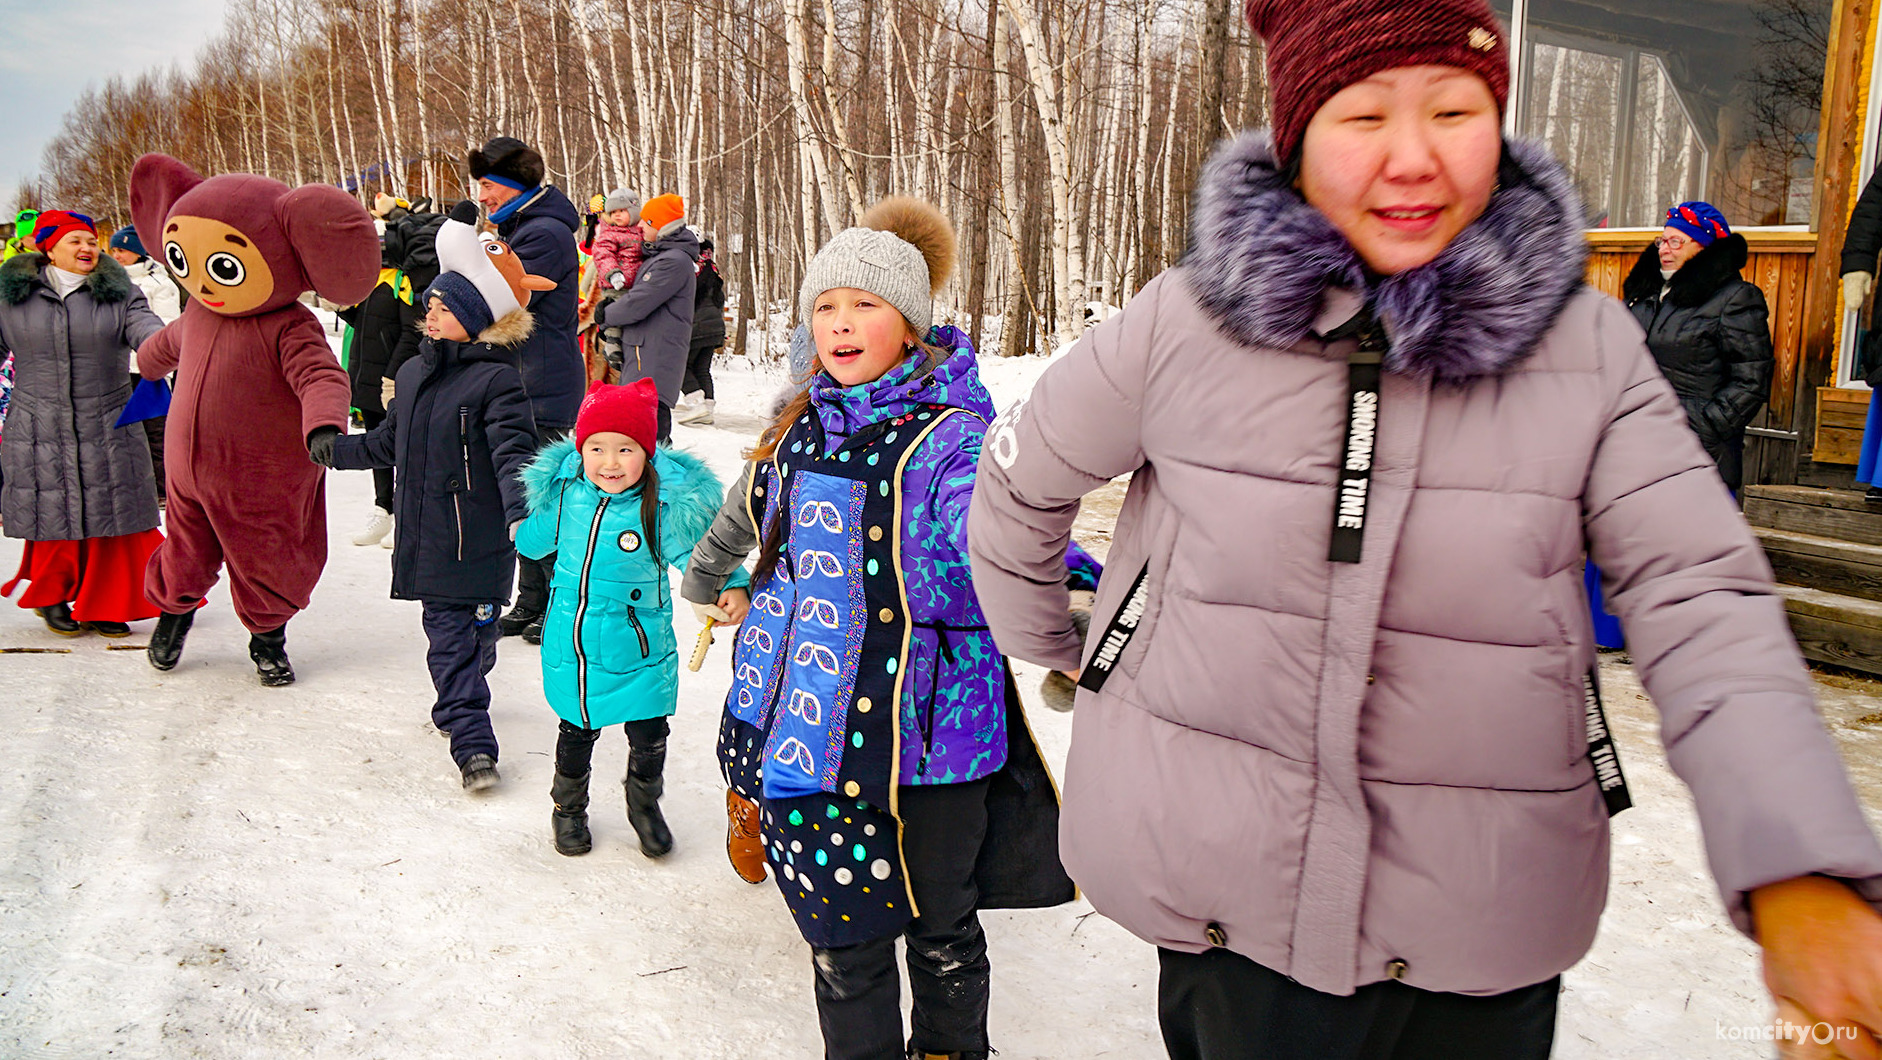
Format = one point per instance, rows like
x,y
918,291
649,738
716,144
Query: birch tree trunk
x,y
1068,281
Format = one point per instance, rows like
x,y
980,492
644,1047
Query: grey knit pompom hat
x,y
902,252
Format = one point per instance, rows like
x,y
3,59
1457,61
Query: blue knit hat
x,y
1700,220
126,239
462,298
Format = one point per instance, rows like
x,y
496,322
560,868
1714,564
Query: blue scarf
x,y
504,212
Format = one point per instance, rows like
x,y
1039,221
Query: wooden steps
x,y
1825,547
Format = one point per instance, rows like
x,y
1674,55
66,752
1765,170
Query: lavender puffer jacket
x,y
1334,768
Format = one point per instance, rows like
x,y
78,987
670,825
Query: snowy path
x,y
191,865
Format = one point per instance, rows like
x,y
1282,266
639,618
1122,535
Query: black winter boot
x,y
166,641
645,783
58,618
517,620
571,815
270,652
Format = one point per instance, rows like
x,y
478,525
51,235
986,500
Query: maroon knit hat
x,y
1316,49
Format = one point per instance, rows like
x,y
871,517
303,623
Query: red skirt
x,y
101,577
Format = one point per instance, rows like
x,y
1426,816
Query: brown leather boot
x,y
743,844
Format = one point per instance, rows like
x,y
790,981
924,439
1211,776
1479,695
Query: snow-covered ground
x,y
192,865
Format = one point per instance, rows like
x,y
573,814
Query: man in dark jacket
x,y
385,335
1707,327
656,314
459,434
539,223
708,336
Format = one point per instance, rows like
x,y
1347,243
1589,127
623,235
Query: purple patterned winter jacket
x,y
1350,772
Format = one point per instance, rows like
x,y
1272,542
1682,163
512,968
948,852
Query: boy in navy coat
x,y
458,433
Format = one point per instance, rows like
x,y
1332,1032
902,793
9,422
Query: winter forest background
x,y
1061,136
1067,131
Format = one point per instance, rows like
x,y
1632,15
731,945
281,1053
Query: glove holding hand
x,y
385,392
712,612
320,445
1856,288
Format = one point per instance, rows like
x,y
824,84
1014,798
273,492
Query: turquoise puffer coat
x,y
608,651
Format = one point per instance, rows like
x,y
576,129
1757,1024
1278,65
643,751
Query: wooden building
x,y
1771,110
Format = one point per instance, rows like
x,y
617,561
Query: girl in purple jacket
x,y
872,729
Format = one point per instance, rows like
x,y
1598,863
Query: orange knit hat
x,y
666,213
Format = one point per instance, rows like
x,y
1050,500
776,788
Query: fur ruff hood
x,y
513,327
690,494
108,283
1261,261
1696,281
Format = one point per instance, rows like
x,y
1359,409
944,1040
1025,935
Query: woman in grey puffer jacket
x,y
77,487
1331,752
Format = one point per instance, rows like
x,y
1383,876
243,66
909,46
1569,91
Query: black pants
x,y
533,575
1219,1005
575,746
858,993
381,476
699,370
463,649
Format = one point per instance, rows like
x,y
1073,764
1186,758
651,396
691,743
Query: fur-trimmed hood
x,y
1261,260
1696,281
108,283
690,494
508,330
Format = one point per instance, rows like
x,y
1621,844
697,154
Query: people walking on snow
x,y
873,743
459,435
655,316
258,392
1333,752
708,336
617,510
77,485
538,222
1707,328
617,256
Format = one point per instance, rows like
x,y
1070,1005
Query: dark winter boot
x,y
166,641
571,815
645,784
532,633
59,619
971,1054
270,652
519,619
114,630
479,773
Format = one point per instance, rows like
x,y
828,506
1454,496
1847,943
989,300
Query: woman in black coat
x,y
1708,328
708,336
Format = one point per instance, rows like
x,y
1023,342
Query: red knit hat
x,y
631,410
1316,49
52,226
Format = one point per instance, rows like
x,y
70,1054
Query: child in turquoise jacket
x,y
616,513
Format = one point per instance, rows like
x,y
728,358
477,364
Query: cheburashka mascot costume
x,y
257,390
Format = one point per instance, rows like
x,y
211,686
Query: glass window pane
x,y
1653,104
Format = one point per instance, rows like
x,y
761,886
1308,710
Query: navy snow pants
x,y
463,640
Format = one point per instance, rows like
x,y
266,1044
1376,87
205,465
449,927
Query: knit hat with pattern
x,y
1316,49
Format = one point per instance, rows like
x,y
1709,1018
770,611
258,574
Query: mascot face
x,y
243,245
218,265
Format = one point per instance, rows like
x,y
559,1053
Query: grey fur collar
x,y
108,283
1261,261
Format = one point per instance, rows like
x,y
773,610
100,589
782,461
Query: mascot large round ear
x,y
334,240
157,182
